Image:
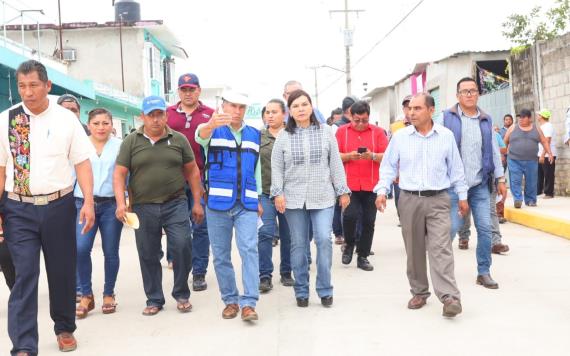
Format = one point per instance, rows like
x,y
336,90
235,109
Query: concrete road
x,y
528,315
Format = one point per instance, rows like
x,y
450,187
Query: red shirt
x,y
177,121
361,175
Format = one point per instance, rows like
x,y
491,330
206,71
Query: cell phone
x,y
362,149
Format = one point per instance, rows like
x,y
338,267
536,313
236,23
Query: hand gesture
x,y
219,120
381,203
463,208
121,212
344,201
354,155
197,213
367,155
87,217
280,204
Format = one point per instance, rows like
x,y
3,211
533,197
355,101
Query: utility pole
x,y
60,30
347,42
121,48
314,68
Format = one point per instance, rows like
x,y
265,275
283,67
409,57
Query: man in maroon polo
x,y
184,117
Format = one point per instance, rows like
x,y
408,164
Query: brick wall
x,y
554,61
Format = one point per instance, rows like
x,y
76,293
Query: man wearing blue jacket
x,y
473,131
233,183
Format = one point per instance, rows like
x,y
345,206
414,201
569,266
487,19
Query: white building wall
x,y
98,54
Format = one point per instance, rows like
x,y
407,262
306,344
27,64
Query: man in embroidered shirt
x,y
481,157
426,158
361,146
40,144
159,163
233,176
185,117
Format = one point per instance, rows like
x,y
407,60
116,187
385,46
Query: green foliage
x,y
525,30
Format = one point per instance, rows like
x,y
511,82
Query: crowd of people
x,y
203,177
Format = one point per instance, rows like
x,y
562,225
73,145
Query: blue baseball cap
x,y
153,102
188,80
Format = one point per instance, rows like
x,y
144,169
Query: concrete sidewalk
x,y
528,315
551,215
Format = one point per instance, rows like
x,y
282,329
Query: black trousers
x,y
7,266
28,229
362,207
546,177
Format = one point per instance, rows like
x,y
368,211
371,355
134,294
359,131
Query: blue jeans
x,y
478,199
172,216
321,219
528,169
110,229
220,228
265,244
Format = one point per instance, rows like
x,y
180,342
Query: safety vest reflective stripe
x,y
251,194
251,145
222,192
222,142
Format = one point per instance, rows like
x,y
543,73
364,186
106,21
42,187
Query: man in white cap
x,y
233,183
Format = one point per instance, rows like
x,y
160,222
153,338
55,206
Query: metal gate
x,y
497,104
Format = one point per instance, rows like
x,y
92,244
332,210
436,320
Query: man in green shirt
x,y
159,161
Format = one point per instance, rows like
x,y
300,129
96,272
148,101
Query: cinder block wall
x,y
554,61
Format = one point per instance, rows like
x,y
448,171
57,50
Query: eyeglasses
x,y
469,92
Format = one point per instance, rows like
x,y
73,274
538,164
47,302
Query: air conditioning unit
x,y
69,54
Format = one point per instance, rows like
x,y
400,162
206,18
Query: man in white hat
x,y
233,183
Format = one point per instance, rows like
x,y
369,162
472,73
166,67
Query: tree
x,y
525,30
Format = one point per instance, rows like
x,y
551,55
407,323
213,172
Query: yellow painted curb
x,y
552,225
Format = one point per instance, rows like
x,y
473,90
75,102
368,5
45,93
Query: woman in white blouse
x,y
100,125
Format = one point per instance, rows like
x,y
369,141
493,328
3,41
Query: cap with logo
x,y
188,80
407,98
151,103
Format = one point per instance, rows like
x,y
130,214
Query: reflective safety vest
x,y
231,169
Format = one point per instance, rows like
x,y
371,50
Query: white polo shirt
x,y
57,143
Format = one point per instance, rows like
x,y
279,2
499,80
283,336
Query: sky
x,y
257,45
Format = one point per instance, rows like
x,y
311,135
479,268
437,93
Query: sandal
x,y
109,306
151,310
86,304
183,306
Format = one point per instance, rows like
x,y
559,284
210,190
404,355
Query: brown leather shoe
x,y
248,314
230,311
500,248
487,282
66,342
463,244
417,302
451,307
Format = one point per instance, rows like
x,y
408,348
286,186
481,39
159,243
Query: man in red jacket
x,y
361,147
184,117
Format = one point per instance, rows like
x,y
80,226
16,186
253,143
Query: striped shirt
x,y
306,168
472,150
430,162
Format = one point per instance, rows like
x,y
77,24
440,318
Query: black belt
x,y
424,193
102,199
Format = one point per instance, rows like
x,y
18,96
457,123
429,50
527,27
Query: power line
x,y
376,44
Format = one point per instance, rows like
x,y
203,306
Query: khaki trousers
x,y
426,225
